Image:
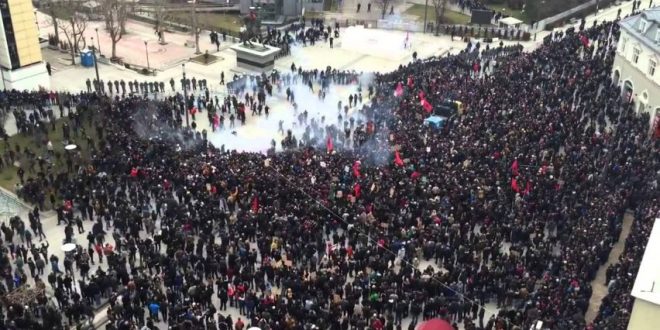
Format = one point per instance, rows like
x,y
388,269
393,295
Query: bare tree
x,y
53,17
440,9
73,24
161,16
116,14
384,5
195,29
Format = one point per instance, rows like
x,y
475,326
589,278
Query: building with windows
x,y
644,315
280,10
21,64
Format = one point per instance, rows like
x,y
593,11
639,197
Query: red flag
x,y
328,145
514,167
255,204
414,176
357,190
411,83
134,172
356,169
399,90
514,185
584,40
427,106
422,95
397,159
528,188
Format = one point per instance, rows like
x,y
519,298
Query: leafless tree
x,y
53,17
440,9
161,16
384,5
195,27
73,25
116,14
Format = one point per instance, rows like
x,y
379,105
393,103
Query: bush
x,y
52,40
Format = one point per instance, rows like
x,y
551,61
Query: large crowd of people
x,y
516,201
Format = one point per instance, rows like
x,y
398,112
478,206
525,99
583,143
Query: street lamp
x,y
96,67
146,51
98,40
185,94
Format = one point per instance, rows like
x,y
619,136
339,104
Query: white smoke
x,y
259,131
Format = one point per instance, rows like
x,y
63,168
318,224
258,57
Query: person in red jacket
x,y
239,325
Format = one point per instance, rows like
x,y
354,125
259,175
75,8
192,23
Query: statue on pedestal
x,y
250,29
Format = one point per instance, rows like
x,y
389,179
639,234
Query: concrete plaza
x,y
359,49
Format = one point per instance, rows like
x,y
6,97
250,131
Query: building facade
x,y
21,64
636,66
273,9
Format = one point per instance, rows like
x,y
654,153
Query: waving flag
x,y
399,90
328,145
584,40
357,190
514,185
397,159
514,167
427,106
356,169
255,204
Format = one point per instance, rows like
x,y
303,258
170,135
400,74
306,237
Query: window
x,y
652,65
636,52
643,24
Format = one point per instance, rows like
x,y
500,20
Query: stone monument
x,y
250,55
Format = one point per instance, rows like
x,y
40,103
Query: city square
x,y
376,177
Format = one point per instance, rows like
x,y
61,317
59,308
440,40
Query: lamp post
x,y
96,67
185,94
146,51
426,8
98,40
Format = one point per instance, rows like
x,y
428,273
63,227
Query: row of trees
x,y
70,19
440,7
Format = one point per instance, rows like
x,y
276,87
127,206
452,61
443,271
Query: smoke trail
x,y
325,117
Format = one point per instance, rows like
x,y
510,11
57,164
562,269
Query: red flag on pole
x,y
427,106
399,90
328,144
255,204
514,185
357,190
397,159
514,167
356,169
584,40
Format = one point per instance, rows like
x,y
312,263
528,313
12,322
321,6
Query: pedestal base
x,y
32,77
258,58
